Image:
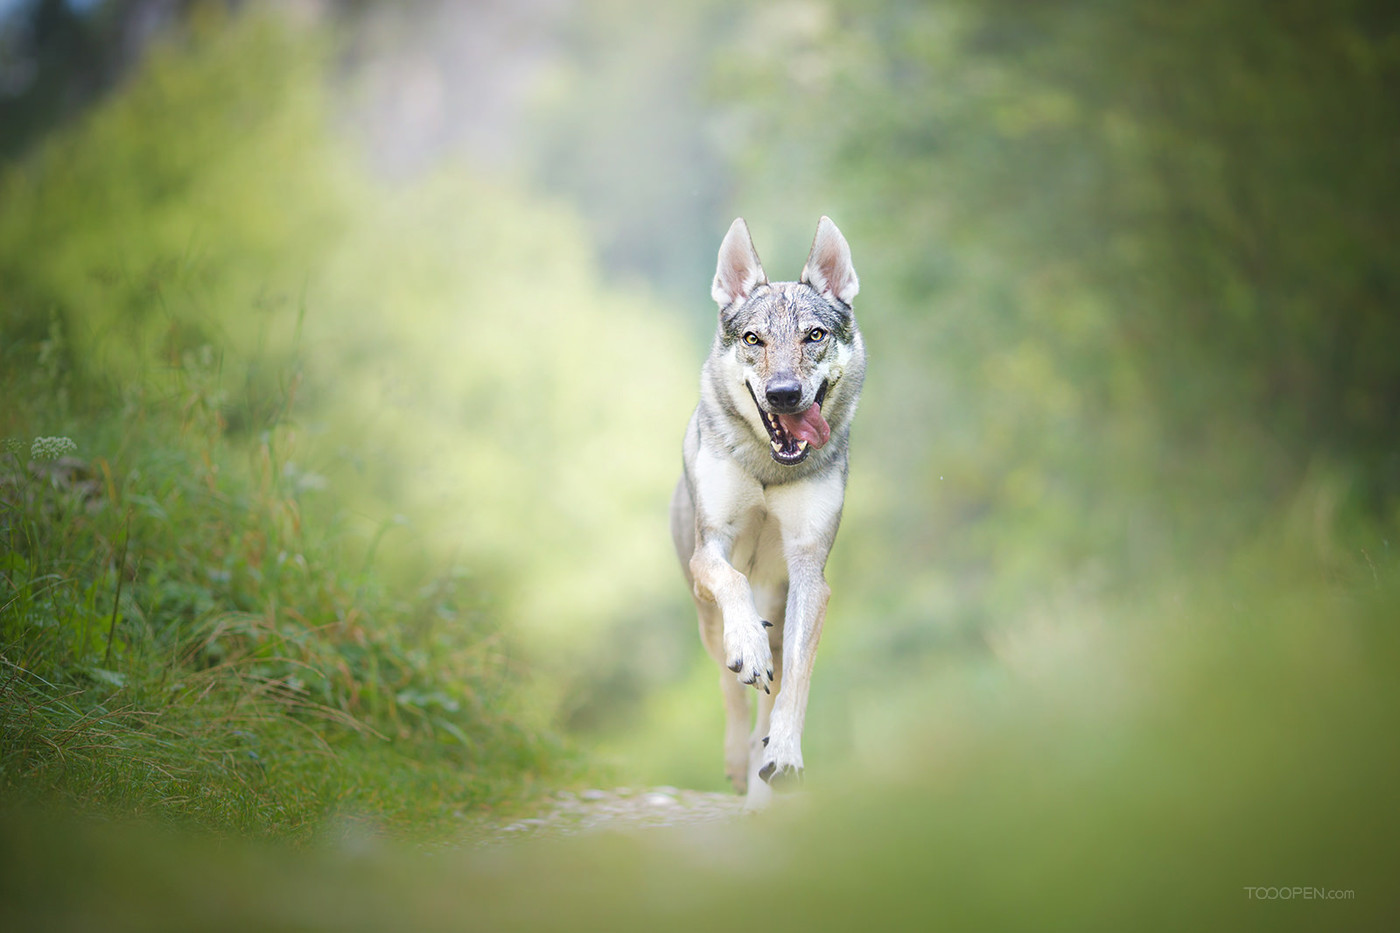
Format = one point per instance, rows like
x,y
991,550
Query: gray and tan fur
x,y
757,507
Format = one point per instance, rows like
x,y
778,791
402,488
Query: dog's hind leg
x,y
737,711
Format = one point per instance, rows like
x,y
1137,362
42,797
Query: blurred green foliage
x,y
442,345
333,414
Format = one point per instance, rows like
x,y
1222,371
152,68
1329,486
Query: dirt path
x,y
622,808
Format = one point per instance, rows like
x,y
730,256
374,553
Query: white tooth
x,y
777,448
801,445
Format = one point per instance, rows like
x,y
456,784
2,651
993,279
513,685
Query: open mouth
x,y
791,435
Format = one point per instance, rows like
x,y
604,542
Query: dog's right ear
x,y
739,271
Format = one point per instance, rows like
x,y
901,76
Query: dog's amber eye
x,y
751,339
817,335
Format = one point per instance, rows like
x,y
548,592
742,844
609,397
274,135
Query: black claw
x,y
770,673
765,741
767,771
766,623
735,665
766,690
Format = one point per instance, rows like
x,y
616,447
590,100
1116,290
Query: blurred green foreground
x,y
1138,769
333,501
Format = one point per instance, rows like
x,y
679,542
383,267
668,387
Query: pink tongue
x,y
807,426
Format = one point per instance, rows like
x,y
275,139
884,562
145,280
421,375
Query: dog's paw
x,y
781,776
748,655
782,764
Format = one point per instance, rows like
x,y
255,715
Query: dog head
x,y
793,349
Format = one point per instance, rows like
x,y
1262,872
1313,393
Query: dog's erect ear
x,y
739,271
829,268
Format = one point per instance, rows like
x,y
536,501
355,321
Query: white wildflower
x,y
51,448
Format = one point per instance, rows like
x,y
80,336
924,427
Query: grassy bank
x,y
180,641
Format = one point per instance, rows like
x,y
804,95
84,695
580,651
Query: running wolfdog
x,y
756,510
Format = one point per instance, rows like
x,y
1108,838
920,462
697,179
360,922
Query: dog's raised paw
x,y
748,655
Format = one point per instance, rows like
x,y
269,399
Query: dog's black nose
x,y
784,392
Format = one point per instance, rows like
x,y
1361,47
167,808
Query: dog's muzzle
x,y
791,435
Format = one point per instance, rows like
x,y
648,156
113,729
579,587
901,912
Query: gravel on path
x,y
622,808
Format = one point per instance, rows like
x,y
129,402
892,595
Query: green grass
x,y
180,640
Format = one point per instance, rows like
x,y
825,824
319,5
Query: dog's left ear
x,y
828,267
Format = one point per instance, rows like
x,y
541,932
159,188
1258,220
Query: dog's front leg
x,y
809,513
725,498
806,613
746,649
